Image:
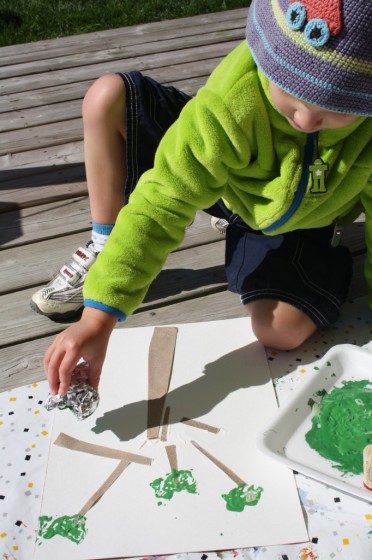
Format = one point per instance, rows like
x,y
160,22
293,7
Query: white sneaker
x,y
62,298
219,224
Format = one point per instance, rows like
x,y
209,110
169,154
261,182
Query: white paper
x,y
220,377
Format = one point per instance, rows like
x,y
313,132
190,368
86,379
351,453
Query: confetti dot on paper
x,y
30,484
44,433
35,385
368,516
15,547
13,399
3,535
302,370
33,445
345,541
337,499
18,523
37,412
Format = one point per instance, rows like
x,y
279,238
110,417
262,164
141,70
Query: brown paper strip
x,y
201,425
64,440
160,361
367,467
164,430
220,465
105,486
172,456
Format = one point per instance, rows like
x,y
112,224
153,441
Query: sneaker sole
x,y
56,316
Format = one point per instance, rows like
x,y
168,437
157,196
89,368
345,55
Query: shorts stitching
x,y
289,298
306,280
132,135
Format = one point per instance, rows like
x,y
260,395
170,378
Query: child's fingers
x,y
94,375
66,366
59,364
51,368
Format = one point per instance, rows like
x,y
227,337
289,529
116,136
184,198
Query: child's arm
x,y
87,339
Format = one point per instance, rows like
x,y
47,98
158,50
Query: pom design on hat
x,y
319,18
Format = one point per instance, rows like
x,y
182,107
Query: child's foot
x,y
62,298
219,224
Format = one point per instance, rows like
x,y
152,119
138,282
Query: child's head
x,y
319,51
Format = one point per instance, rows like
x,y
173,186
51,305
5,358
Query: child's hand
x,y
87,339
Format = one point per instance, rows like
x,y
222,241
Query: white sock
x,y
100,234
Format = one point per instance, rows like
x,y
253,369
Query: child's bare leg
x,y
279,325
105,161
104,147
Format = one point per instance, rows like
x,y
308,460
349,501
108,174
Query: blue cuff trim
x,y
103,229
106,308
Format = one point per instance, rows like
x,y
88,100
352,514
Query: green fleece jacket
x,y
231,143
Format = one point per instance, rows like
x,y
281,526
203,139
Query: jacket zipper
x,y
308,158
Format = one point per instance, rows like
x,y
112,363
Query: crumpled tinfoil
x,y
81,398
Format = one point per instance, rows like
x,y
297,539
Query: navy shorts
x,y
301,268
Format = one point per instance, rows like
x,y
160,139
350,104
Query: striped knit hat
x,y
317,50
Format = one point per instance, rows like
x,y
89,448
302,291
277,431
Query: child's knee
x,y
280,325
105,99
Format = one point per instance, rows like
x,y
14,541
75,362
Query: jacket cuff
x,y
106,308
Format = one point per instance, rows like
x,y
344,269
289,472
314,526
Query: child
x,y
278,143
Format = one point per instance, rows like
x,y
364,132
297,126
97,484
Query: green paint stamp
x,y
70,527
176,481
241,496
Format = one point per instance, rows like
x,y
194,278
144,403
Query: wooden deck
x,y
43,198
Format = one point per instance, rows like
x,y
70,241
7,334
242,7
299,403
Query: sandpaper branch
x,y
200,425
172,457
160,363
219,464
165,425
68,442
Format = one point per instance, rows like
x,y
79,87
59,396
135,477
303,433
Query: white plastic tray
x,y
284,437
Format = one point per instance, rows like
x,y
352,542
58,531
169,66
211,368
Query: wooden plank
x,y
86,41
41,136
187,274
61,156
35,193
150,63
44,222
35,264
23,363
124,51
